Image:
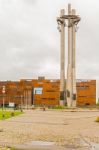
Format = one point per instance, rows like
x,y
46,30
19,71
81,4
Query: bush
x,y
97,119
12,114
3,116
97,104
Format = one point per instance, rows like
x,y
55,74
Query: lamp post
x,y
21,102
3,91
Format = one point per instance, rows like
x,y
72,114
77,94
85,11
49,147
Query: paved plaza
x,y
65,129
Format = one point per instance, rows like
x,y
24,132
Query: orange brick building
x,y
44,92
86,92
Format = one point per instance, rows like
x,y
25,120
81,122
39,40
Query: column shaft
x,y
62,57
69,67
73,62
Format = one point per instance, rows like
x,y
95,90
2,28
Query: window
x,y
50,91
51,98
38,90
44,98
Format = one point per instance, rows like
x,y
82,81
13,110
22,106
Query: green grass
x,y
8,114
59,107
11,148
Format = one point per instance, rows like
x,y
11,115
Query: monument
x,y
68,88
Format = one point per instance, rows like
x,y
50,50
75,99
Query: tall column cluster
x,y
68,90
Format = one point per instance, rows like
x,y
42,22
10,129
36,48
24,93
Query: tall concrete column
x,y
73,62
62,57
73,20
69,67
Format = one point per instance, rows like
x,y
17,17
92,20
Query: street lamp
x,y
3,91
21,102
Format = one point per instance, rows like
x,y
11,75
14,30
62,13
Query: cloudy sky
x,y
29,39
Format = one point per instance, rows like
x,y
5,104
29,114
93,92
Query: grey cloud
x,y
30,2
29,40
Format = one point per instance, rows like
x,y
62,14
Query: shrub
x,y
3,116
97,119
12,114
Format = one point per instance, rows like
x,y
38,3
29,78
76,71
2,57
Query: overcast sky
x,y
30,41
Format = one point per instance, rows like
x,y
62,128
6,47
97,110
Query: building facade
x,y
43,91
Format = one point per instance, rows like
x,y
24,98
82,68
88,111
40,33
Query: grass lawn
x,y
8,114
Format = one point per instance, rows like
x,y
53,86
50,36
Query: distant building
x,y
86,92
43,91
